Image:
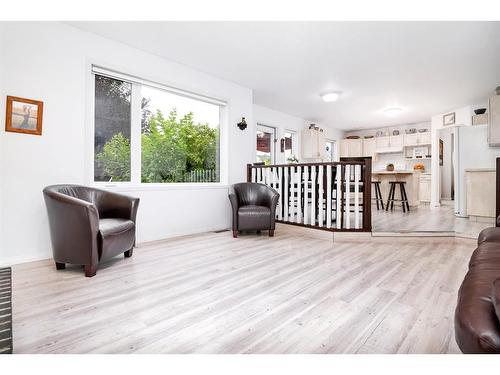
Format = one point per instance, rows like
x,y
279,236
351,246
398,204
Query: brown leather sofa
x,y
477,325
254,207
89,225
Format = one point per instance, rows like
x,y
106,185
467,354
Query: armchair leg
x,y
60,266
235,233
271,233
129,253
90,270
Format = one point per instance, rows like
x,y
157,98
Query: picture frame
x,y
24,115
449,119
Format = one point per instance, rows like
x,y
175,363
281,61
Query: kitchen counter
x,y
394,172
412,179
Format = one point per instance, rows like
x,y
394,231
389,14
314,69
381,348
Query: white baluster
x,y
320,196
328,196
338,197
306,195
357,174
299,194
268,181
313,195
280,191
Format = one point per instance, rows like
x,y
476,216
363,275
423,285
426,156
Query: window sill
x,y
126,187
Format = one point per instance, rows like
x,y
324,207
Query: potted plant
x,y
292,159
390,167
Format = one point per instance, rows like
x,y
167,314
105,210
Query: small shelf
x,y
418,158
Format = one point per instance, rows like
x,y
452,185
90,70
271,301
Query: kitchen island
x,y
412,179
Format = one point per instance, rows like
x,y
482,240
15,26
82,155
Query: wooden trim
x,y
8,115
367,195
321,228
497,198
357,162
249,172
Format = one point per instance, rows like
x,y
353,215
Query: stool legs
x,y
404,198
390,199
379,193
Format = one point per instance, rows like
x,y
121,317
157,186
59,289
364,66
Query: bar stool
x,y
404,197
378,194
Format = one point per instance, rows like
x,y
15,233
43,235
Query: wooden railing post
x,y
249,172
367,195
497,198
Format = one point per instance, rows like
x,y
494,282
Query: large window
x,y
176,134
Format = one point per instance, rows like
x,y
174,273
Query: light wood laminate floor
x,y
214,294
425,219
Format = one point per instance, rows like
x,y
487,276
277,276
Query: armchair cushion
x,y
495,297
115,236
254,217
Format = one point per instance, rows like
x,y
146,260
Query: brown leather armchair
x,y
254,207
89,225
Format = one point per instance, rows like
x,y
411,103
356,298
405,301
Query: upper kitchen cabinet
x,y
382,142
417,139
351,148
494,121
369,147
396,141
313,144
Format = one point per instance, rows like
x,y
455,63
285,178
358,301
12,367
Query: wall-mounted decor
x,y
243,124
24,116
449,119
441,147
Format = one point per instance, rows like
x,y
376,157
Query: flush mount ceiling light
x,y
332,96
393,111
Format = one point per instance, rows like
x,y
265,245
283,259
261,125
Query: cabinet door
x,y
382,142
308,144
368,147
344,148
410,139
321,145
396,141
424,138
424,191
356,148
494,121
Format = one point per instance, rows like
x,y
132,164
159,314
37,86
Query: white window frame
x,y
135,183
274,133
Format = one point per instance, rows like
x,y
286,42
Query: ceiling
x,y
424,67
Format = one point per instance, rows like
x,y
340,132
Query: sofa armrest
x,y
489,235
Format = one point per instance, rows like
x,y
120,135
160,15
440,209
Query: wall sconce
x,y
243,124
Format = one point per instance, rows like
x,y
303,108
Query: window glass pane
x,y
179,138
264,146
289,140
112,129
329,151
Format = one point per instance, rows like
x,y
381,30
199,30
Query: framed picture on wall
x,y
441,146
449,119
24,116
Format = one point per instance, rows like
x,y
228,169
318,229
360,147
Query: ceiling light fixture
x,y
393,111
332,96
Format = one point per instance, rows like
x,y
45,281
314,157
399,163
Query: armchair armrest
x,y
114,205
74,224
272,197
234,205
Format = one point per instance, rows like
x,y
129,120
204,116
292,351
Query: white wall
x,y
50,62
283,121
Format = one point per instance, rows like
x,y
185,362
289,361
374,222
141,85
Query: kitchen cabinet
x,y
313,144
396,141
351,148
369,147
417,139
494,121
424,189
382,143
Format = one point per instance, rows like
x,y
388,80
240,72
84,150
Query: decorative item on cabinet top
x,y
390,167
